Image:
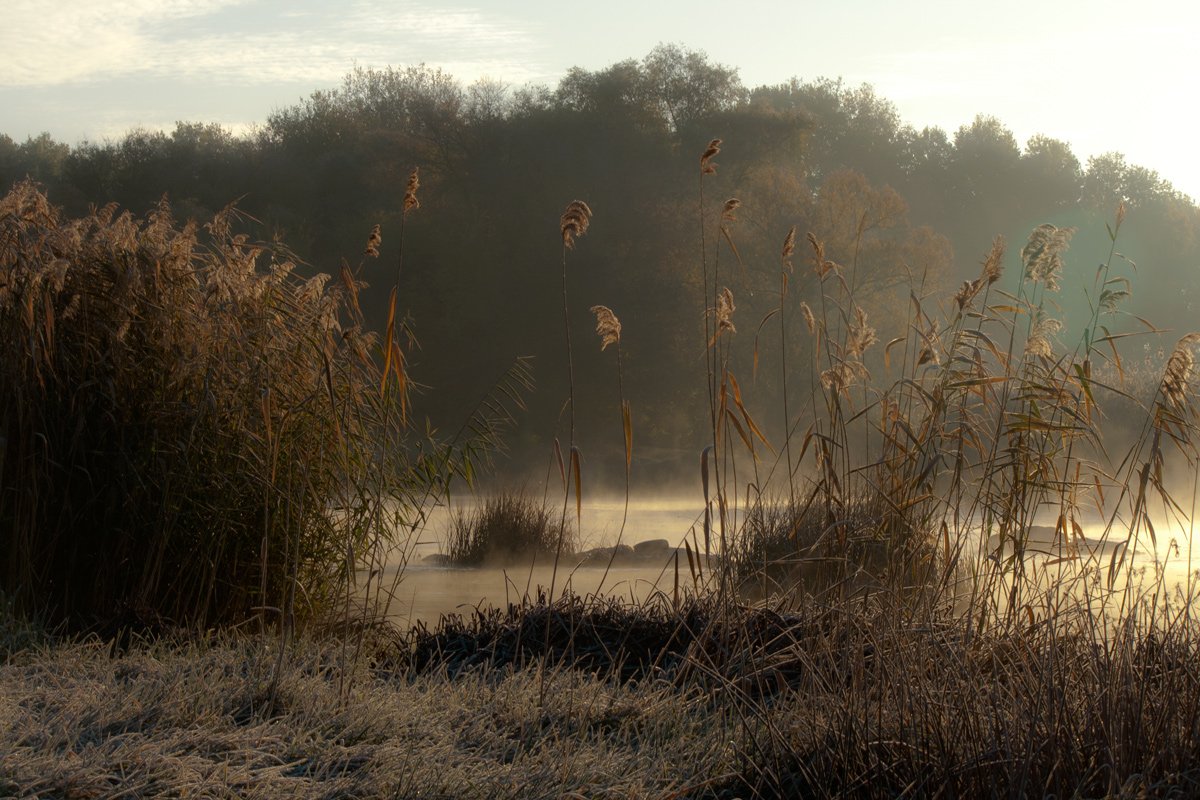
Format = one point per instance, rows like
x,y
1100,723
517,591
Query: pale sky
x,y
1100,75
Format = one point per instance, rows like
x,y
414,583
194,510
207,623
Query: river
x,y
425,592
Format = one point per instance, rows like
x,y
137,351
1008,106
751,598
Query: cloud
x,y
251,41
50,44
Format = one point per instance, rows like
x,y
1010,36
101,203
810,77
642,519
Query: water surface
x,y
426,592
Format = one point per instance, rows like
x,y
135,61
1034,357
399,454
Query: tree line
x,y
904,210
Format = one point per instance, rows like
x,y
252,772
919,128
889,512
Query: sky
x,y
1103,76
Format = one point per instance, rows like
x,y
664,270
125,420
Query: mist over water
x,y
427,591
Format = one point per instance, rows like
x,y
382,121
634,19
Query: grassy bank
x,y
194,720
696,701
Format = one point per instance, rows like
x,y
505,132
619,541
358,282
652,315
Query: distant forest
x,y
910,210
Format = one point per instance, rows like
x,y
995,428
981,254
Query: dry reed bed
x,y
180,409
508,529
192,432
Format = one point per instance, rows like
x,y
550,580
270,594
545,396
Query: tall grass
x,y
967,428
191,431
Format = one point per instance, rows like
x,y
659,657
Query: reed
x,y
508,529
191,429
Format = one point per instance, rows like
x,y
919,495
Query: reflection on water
x,y
425,592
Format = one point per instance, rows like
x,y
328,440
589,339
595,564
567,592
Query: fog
x,y
426,589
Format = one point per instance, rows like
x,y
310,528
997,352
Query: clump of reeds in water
x,y
508,528
798,548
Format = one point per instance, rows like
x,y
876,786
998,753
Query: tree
x,y
865,229
1051,173
686,87
1110,180
850,128
984,182
986,156
38,157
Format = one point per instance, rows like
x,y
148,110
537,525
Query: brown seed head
x,y
574,221
1110,300
731,206
373,243
706,165
931,344
724,314
789,245
608,327
993,263
842,375
1042,254
410,192
861,335
822,265
967,292
1039,343
1177,375
809,320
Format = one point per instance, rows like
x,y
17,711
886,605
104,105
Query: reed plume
x,y
842,375
1039,343
992,269
993,264
861,335
967,293
810,321
931,344
1179,371
373,243
724,315
707,166
410,192
1110,299
822,265
1042,254
608,327
574,221
729,209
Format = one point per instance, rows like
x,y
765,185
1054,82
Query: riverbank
x,y
602,699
